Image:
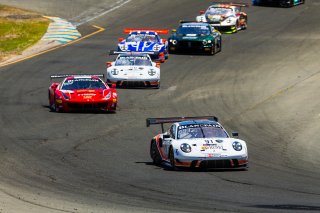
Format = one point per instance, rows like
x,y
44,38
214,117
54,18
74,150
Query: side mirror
x,y
120,39
166,136
173,30
108,64
163,40
160,142
201,12
235,134
54,86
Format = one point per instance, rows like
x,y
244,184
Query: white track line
x,y
121,3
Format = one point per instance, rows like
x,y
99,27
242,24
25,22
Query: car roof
x,y
133,54
83,77
227,6
196,23
143,32
191,122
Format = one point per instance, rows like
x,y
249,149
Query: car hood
x,y
134,71
86,94
217,18
222,146
191,37
141,46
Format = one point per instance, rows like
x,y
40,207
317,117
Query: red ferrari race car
x,y
81,92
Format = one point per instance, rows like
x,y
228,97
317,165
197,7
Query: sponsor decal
x,y
212,155
199,125
151,72
211,147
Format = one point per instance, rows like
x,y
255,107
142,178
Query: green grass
x,y
17,36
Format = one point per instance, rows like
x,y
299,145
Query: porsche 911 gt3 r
x,y
81,92
282,3
145,40
197,142
226,17
133,69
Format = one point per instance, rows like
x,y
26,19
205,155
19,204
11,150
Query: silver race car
x,y
133,69
226,17
197,142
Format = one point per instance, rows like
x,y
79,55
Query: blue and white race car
x,y
145,40
197,142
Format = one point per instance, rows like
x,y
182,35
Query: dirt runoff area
x,y
19,30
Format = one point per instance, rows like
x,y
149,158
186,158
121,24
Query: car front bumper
x,y
213,162
142,82
70,106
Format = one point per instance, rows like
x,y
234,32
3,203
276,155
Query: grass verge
x,y
19,29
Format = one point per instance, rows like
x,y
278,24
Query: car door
x,y
168,141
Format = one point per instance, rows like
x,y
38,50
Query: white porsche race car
x,y
226,17
133,69
197,142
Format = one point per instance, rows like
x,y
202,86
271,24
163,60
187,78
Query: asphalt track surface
x,y
264,84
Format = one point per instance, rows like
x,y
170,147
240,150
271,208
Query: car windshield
x,y
133,61
219,11
193,29
201,131
83,83
141,38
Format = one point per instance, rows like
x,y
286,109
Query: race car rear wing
x,y
114,52
159,31
184,21
153,121
76,75
238,4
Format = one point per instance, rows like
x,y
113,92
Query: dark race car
x,y
281,3
195,37
81,92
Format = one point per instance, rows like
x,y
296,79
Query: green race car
x,y
194,36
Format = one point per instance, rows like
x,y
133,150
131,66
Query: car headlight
x,y
237,146
157,48
209,41
152,72
174,42
204,42
108,95
185,147
122,47
114,72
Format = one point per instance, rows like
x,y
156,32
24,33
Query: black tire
x,y
53,105
213,49
158,86
246,26
220,45
172,160
237,26
154,153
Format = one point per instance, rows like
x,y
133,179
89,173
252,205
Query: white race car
x,y
226,17
197,142
133,69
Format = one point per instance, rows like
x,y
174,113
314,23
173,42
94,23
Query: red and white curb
x,y
61,30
